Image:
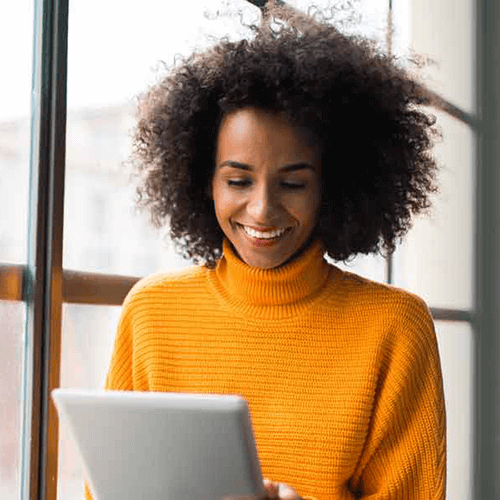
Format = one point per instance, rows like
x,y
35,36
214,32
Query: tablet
x,y
156,445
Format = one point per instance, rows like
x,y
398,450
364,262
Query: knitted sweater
x,y
342,375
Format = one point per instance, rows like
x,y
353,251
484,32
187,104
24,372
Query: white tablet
x,y
168,446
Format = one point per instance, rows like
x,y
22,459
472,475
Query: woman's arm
x,y
404,455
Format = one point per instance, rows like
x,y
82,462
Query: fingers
x,y
271,489
286,492
280,491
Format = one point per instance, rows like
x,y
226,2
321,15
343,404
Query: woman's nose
x,y
263,205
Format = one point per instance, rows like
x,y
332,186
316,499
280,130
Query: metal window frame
x,y
487,255
42,283
45,286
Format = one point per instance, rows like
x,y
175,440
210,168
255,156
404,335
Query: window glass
x,y
16,38
103,232
87,341
435,260
444,32
370,266
456,347
361,17
12,319
16,33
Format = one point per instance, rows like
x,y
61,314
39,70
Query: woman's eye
x,y
238,183
293,185
242,183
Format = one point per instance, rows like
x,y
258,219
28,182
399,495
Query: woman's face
x,y
266,187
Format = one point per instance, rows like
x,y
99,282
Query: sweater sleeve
x,y
119,376
404,455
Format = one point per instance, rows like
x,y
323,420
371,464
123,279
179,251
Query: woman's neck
x,y
292,283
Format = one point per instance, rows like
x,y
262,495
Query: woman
x,y
262,156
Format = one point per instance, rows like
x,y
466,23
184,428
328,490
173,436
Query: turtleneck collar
x,y
259,291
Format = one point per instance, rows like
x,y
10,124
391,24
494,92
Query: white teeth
x,y
265,236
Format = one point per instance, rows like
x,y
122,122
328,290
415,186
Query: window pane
x,y
456,348
12,319
362,17
16,27
435,260
370,266
102,232
444,31
16,34
87,340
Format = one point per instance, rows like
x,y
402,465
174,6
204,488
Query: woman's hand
x,y
280,491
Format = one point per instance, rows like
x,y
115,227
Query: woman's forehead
x,y
253,131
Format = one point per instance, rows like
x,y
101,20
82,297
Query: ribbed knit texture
x,y
342,374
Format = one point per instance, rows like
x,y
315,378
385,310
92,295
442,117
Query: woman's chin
x,y
267,254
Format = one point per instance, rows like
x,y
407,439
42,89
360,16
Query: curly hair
x,y
361,107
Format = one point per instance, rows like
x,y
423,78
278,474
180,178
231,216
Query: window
x,y
66,267
15,31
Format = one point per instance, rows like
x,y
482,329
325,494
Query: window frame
x,y
42,277
44,285
486,324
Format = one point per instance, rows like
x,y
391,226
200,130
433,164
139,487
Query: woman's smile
x,y
265,187
266,237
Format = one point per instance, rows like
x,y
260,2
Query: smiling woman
x,y
266,187
262,156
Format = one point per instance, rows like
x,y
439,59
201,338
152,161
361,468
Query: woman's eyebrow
x,y
293,167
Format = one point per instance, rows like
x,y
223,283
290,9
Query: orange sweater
x,y
342,374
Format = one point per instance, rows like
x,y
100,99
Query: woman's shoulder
x,y
369,296
382,314
163,283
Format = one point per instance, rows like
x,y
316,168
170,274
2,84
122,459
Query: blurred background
x,y
116,49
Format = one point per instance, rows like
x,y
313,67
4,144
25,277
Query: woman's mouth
x,y
264,237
